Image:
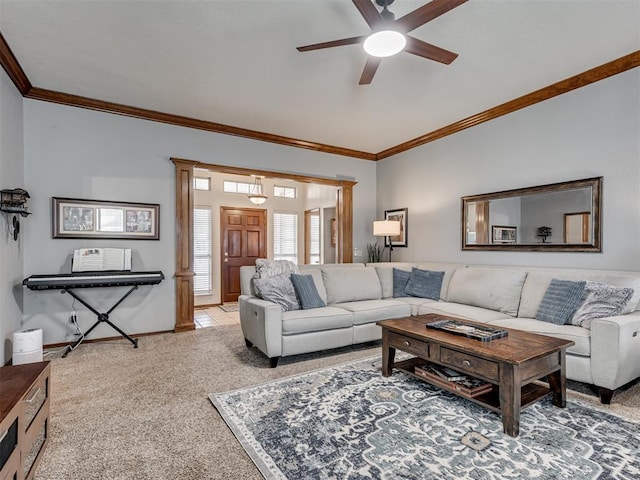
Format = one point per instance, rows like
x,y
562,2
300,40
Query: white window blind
x,y
285,236
314,253
202,250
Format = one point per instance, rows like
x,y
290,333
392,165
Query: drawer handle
x,y
466,363
3,435
33,396
406,343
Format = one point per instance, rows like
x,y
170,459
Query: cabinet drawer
x,y
408,344
470,364
34,446
34,400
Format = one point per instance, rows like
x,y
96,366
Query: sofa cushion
x,y
368,311
316,320
307,292
460,310
351,284
415,303
400,280
538,280
581,336
278,289
601,301
560,301
425,283
493,288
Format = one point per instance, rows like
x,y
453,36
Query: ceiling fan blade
x,y
334,43
426,13
369,12
370,69
426,50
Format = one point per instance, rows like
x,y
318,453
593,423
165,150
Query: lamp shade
x,y
386,228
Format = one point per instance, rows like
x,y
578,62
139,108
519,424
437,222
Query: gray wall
x,y
71,152
589,132
11,252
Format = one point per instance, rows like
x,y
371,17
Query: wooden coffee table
x,y
511,363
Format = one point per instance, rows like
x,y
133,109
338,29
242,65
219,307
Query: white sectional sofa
x,y
607,355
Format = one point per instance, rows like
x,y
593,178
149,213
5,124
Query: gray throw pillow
x,y
424,284
278,289
273,268
400,280
602,300
307,292
560,301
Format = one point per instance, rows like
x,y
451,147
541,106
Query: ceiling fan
x,y
387,32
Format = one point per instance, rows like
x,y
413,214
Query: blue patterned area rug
x,y
349,422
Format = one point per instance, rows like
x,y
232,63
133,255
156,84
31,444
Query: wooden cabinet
x,y
24,418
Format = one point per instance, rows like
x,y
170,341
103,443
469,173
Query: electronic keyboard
x,y
92,279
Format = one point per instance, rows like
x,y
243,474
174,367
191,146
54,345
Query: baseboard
x,y
106,339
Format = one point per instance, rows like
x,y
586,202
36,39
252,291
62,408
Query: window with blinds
x,y
202,250
314,250
285,236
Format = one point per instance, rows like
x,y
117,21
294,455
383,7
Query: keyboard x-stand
x,y
70,281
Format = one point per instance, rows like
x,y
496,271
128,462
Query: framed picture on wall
x,y
500,234
400,215
78,218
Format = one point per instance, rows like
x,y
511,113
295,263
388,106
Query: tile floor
x,y
214,317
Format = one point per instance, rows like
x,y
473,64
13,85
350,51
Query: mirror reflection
x,y
561,216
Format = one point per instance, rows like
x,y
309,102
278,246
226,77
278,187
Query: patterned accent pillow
x,y
307,292
602,300
424,284
278,289
560,301
400,280
273,268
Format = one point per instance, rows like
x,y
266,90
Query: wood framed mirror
x,y
558,217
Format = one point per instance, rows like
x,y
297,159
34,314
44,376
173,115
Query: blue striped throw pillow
x,y
307,292
560,301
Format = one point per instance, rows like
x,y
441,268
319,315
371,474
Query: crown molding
x,y
144,114
588,77
11,65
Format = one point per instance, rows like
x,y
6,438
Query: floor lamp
x,y
387,228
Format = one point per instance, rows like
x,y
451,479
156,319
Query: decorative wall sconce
x,y
14,201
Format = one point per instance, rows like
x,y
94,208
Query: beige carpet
x,y
124,413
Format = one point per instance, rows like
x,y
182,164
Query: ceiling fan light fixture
x,y
384,43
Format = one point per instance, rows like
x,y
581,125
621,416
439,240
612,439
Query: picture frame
x,y
82,218
504,234
401,215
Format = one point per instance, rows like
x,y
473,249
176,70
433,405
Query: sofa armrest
x,y
261,323
615,350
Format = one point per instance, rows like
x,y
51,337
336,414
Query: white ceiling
x,y
235,62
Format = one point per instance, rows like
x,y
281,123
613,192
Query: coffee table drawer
x,y
470,363
408,344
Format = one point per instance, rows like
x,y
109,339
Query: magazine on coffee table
x,y
481,333
464,384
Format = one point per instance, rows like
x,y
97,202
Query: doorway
x,y
184,274
243,234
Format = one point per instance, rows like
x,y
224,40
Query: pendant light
x,y
256,195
